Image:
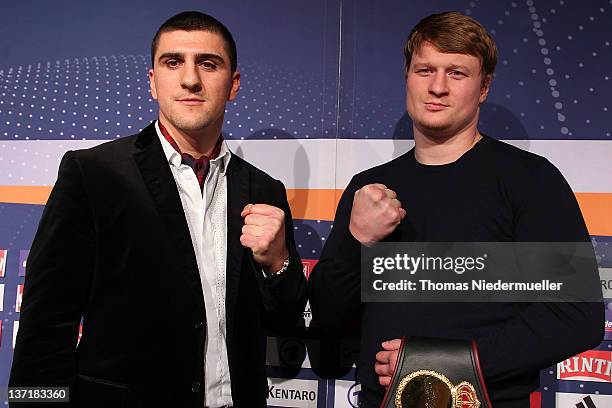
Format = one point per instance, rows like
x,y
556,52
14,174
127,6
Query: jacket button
x,y
199,324
196,386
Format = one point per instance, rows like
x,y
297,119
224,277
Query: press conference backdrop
x,y
322,98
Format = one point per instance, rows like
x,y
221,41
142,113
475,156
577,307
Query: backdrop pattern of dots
x,y
322,97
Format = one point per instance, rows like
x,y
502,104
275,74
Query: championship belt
x,y
437,373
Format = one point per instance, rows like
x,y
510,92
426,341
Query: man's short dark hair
x,y
194,20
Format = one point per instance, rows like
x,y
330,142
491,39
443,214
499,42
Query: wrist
x,y
279,265
360,237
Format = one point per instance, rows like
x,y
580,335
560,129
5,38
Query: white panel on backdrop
x,y
15,329
310,163
298,163
3,253
292,393
19,298
346,394
605,275
35,162
585,164
567,400
1,297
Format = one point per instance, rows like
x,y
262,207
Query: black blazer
x,y
113,247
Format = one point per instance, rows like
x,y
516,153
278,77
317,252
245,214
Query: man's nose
x,y
190,78
439,84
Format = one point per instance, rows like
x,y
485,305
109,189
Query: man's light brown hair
x,y
453,32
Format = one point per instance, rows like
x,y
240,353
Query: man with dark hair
x,y
455,185
174,252
192,21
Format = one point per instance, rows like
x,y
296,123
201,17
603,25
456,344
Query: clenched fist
x,y
264,233
376,213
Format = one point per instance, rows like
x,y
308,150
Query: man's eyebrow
x,y
420,62
168,55
208,55
459,66
199,57
449,67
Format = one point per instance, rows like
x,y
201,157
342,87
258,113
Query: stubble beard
x,y
192,123
434,126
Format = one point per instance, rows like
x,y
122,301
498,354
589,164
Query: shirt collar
x,y
174,158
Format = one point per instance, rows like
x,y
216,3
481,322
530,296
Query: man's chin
x,y
433,128
195,126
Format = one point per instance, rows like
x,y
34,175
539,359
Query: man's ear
x,y
484,87
152,84
235,86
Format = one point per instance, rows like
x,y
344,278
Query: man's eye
x,y
423,70
209,65
457,74
172,63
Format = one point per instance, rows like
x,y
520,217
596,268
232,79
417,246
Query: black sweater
x,y
494,192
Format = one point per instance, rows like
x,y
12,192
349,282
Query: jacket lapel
x,y
160,183
237,198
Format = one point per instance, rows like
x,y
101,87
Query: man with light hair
x,y
455,185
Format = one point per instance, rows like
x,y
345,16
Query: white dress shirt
x,y
206,215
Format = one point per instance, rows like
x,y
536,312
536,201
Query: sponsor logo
x,y
307,311
23,260
15,330
592,365
18,298
307,265
567,400
1,298
292,393
605,277
346,394
586,401
352,396
608,323
3,253
307,315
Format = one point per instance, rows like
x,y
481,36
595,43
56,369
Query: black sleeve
x,y
284,295
334,285
543,334
56,288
